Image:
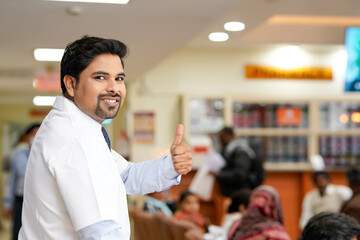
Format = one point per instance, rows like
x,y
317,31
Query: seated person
x,y
331,226
352,207
263,218
326,197
189,210
236,209
157,202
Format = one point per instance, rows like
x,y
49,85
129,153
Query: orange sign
x,y
319,73
288,116
38,113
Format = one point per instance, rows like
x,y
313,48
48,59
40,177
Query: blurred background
x,y
285,77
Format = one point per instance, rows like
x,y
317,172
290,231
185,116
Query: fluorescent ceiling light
x,y
234,26
44,100
96,1
218,37
48,54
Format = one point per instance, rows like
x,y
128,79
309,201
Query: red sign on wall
x,y
47,82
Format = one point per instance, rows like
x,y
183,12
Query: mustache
x,y
110,95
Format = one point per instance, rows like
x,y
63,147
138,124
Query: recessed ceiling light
x,y
218,37
48,54
74,10
95,1
234,26
44,100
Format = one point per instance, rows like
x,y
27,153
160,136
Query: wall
x,y
221,72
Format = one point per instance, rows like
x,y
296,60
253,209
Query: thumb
x,y
179,134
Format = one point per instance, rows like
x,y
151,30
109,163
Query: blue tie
x,y
106,137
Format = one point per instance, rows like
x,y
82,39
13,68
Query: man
x,y
75,185
352,207
240,160
331,226
23,143
15,190
325,198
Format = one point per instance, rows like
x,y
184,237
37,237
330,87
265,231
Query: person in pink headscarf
x,y
263,218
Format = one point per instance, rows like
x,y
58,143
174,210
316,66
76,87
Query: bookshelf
x,y
339,132
285,132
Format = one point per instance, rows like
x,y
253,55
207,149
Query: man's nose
x,y
111,85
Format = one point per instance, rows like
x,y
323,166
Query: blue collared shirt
x,y
17,176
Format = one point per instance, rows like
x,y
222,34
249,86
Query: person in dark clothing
x,y
235,175
352,207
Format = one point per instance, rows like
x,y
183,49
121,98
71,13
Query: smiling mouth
x,y
110,100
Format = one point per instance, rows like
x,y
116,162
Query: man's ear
x,y
70,83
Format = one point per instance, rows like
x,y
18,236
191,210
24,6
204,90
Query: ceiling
x,y
154,29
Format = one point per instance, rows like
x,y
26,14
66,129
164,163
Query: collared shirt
x,y
314,203
17,175
73,182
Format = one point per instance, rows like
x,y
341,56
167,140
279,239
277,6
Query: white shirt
x,y
73,181
314,203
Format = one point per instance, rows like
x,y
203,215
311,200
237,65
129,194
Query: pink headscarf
x,y
263,219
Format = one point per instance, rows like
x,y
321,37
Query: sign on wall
x,y
289,116
47,82
304,73
144,127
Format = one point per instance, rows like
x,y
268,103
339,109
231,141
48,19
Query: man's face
x,y
321,182
31,135
224,139
101,90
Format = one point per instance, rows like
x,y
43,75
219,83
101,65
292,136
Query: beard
x,y
110,112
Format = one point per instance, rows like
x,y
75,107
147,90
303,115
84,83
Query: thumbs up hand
x,y
180,153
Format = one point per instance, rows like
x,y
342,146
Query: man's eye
x,y
120,79
100,77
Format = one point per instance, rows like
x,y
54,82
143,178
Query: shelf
x,y
286,132
271,132
343,132
287,166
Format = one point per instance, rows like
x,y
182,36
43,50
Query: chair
x,y
163,226
179,228
144,225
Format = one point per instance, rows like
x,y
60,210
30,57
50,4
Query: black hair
x,y
331,226
31,127
353,176
80,53
240,197
227,131
185,194
320,173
